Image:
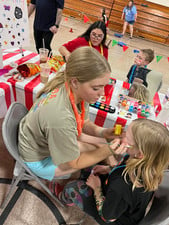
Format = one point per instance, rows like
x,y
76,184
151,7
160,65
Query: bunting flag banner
x,y
85,19
114,42
125,48
159,57
66,19
71,30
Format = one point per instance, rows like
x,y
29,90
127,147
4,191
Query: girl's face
x,y
129,140
130,3
96,36
92,90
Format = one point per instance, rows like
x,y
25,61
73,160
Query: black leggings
x,y
39,36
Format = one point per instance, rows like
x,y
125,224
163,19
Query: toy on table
x,y
104,107
134,106
23,71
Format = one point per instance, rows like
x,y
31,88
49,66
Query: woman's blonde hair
x,y
152,139
141,92
84,63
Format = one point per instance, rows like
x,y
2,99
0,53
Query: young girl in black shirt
x,y
120,195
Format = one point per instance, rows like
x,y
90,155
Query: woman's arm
x,y
88,158
64,52
94,130
122,16
31,8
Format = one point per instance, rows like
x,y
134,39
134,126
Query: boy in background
x,y
138,71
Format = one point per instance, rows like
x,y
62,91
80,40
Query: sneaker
x,y
131,37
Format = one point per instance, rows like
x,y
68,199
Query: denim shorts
x,y
44,169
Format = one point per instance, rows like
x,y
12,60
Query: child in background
x,y
139,91
122,195
105,19
139,70
129,15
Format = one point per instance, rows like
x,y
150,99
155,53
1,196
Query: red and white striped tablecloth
x,y
23,92
105,119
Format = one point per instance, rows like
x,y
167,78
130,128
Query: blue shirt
x,y
46,11
130,13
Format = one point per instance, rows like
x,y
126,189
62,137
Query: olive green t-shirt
x,y
50,129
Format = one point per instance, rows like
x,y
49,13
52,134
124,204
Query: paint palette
x,y
138,107
104,107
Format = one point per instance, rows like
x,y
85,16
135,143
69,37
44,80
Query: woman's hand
x,y
101,169
93,181
120,150
108,134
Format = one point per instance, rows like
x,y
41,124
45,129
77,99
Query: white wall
x,y
160,2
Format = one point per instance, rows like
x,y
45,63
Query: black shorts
x,y
131,22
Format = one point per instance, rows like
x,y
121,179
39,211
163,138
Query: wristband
x,y
56,25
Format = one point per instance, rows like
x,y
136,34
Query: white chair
x,y
154,80
10,137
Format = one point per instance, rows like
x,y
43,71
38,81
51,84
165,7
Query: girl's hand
x,y
101,169
93,181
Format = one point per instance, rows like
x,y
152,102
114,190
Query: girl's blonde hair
x,y
152,139
140,93
84,63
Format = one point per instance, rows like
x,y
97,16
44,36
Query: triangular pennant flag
x,y
159,57
168,59
114,42
85,19
125,48
71,30
66,19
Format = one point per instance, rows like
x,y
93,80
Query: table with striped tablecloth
x,y
24,91
106,119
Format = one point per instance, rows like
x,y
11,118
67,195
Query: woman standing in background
x,y
130,15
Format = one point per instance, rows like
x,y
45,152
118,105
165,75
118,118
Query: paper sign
x,y
14,27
